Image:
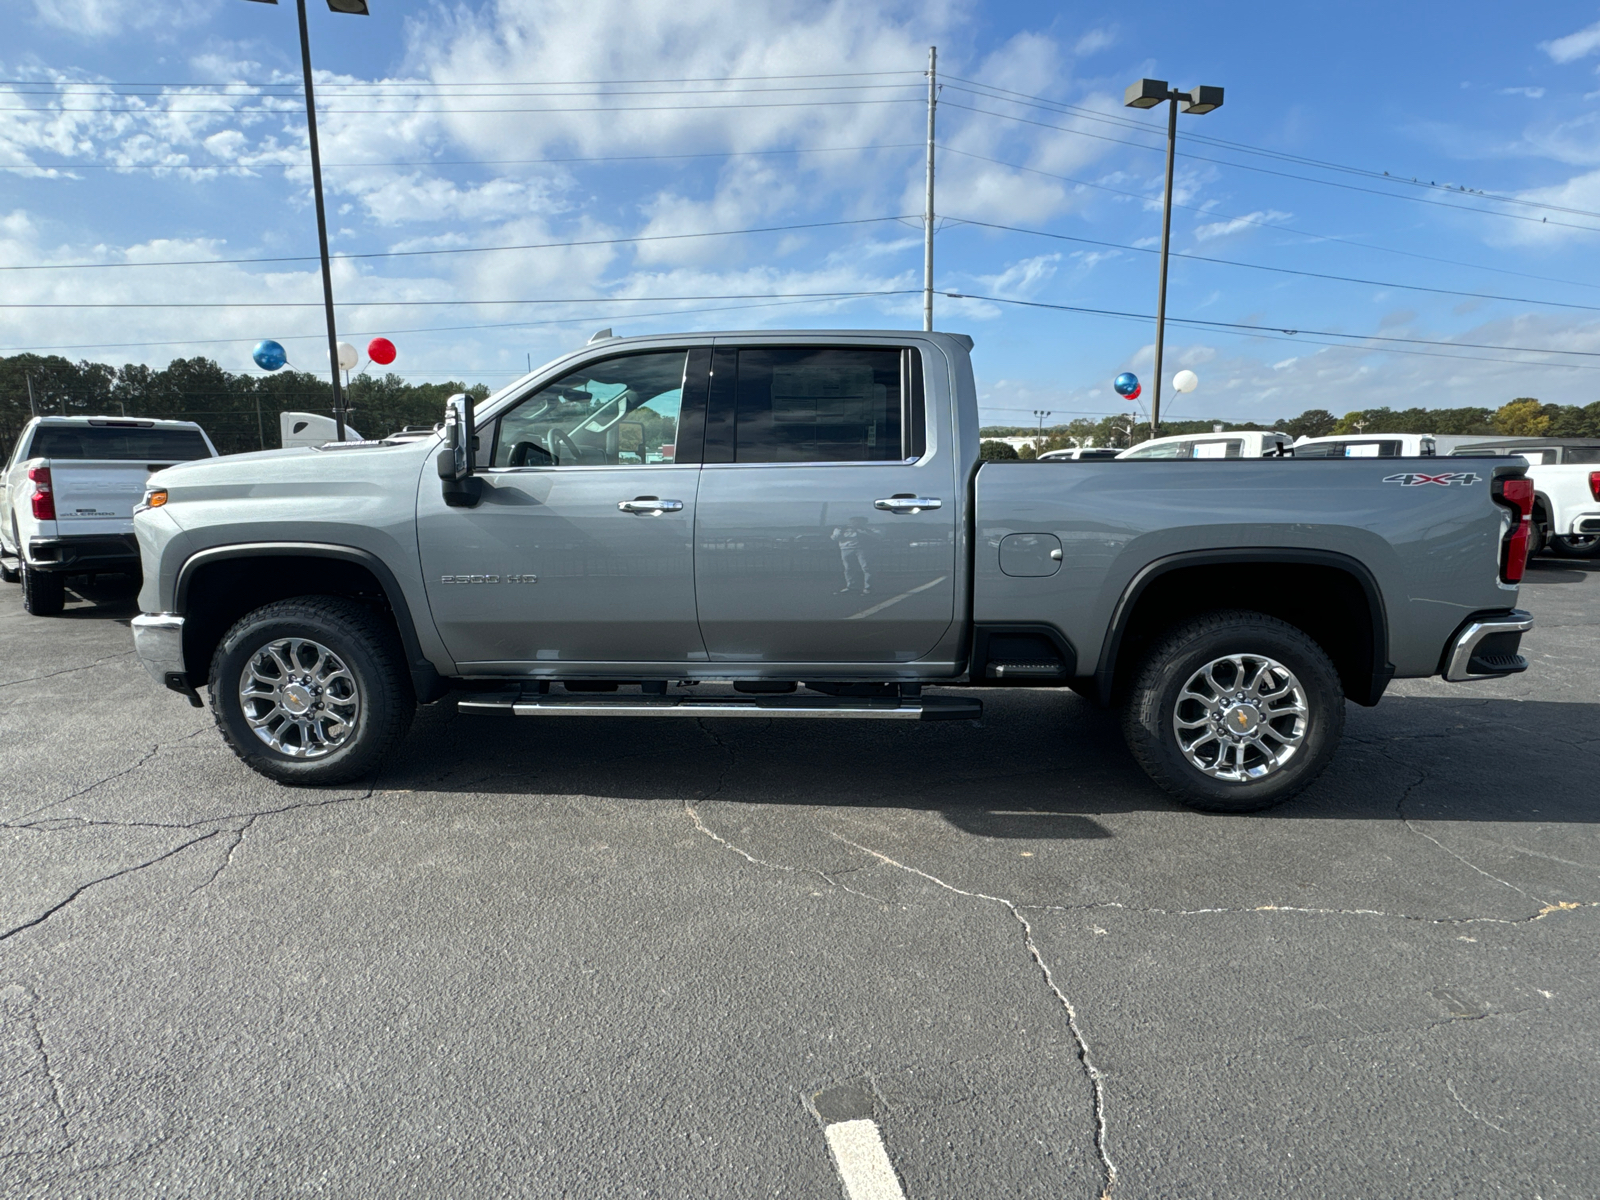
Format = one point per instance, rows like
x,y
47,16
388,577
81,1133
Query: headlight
x,y
154,498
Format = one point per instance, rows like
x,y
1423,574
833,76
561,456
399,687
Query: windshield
x,y
118,443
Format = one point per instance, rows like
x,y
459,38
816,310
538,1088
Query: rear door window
x,y
1231,448
118,443
818,404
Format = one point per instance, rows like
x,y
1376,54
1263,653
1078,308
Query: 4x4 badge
x,y
1413,478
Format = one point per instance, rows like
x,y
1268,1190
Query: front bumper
x,y
1486,647
158,641
78,554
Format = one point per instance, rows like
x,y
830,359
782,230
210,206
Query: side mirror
x,y
456,456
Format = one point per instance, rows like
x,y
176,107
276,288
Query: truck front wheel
x,y
311,691
1234,712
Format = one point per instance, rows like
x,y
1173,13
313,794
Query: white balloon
x,y
1185,381
348,357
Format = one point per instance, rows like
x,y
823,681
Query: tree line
x,y
1522,417
240,412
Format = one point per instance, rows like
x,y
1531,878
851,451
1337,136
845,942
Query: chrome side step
x,y
529,704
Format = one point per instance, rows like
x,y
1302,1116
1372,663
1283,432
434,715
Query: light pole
x,y
1148,93
355,8
1038,443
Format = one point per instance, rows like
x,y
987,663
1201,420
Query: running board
x,y
527,704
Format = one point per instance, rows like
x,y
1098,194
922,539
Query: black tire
x,y
1538,531
43,594
1149,719
370,663
1574,546
10,574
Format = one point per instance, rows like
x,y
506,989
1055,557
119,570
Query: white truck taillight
x,y
44,501
1594,484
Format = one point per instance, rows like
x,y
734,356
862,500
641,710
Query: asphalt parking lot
x,y
597,958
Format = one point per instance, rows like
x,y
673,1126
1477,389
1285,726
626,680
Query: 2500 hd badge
x,y
488,579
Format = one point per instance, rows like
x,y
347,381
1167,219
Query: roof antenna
x,y
601,336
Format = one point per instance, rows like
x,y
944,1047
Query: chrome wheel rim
x,y
1241,717
299,698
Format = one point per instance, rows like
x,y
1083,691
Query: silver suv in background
x,y
67,496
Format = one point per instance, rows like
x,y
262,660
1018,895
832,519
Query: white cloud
x,y
1218,229
108,18
1094,41
1532,93
1575,45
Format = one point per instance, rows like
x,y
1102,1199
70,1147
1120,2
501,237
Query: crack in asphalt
x,y
1476,1116
82,888
227,858
150,754
1074,1026
66,670
1400,812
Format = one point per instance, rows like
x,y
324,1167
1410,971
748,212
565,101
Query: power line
x,y
657,237
1229,262
1304,335
438,303
290,109
1488,212
1273,225
578,320
470,162
1006,95
488,83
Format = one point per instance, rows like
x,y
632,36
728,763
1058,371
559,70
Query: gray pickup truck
x,y
805,517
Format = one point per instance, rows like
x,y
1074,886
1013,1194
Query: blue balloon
x,y
1126,384
269,355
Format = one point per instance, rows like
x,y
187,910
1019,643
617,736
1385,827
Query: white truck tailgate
x,y
93,491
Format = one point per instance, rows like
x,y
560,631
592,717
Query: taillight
x,y
1594,484
44,501
1517,494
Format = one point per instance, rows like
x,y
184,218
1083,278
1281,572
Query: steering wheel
x,y
553,436
530,454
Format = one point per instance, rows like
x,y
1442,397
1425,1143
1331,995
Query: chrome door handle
x,y
908,504
650,506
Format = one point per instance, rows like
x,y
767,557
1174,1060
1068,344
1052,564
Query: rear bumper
x,y
1587,523
75,554
1486,646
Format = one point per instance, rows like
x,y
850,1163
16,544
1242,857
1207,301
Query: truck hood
x,y
350,471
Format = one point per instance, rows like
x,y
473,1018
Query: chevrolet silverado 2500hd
x,y
67,497
805,515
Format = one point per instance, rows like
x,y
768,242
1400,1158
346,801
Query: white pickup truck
x,y
67,495
1566,481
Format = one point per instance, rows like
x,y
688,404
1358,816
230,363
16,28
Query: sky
x,y
1388,209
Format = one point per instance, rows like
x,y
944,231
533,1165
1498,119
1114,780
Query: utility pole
x,y
927,212
33,408
1038,442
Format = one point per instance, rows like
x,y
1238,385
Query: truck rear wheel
x,y
44,594
1234,712
311,691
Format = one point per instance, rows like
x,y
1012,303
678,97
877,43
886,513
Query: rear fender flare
x,y
1381,671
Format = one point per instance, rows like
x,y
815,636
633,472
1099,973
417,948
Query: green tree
x,y
992,451
1522,417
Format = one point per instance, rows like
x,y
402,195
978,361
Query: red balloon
x,y
1135,394
381,351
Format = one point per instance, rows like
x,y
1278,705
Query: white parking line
x,y
863,1163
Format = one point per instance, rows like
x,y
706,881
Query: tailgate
x,y
90,490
